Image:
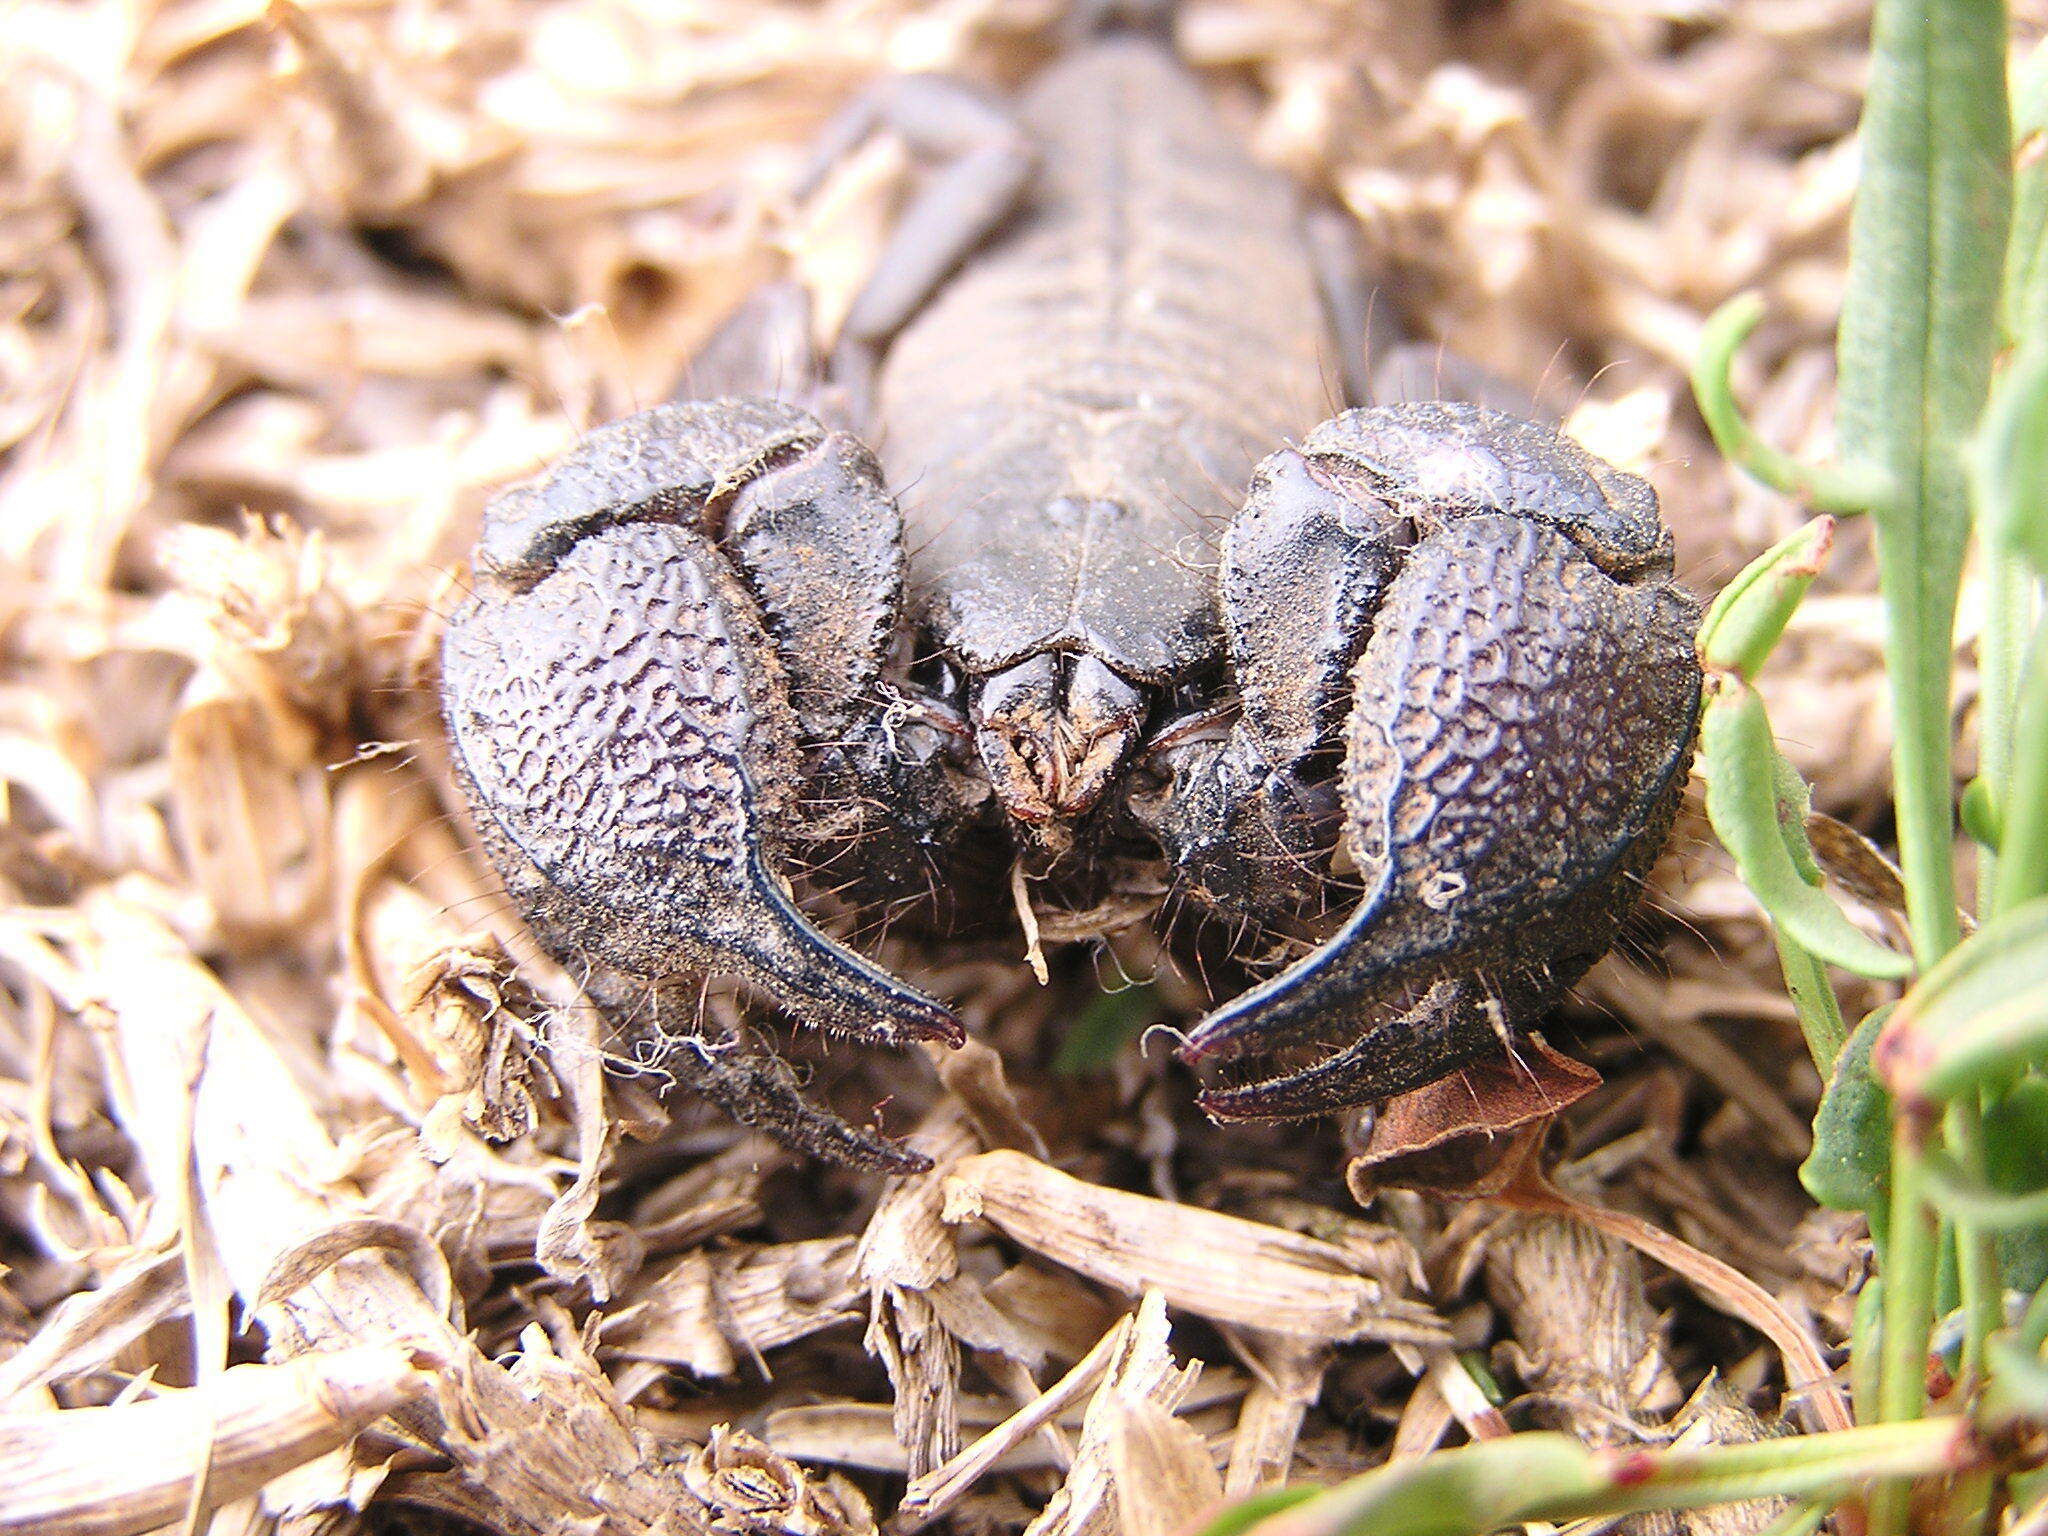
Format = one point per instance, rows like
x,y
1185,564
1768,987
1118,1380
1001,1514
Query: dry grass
x,y
285,291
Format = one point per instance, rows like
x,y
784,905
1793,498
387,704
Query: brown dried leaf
x,y
920,1310
1469,1133
84,1331
1165,1481
712,1309
253,824
1584,1338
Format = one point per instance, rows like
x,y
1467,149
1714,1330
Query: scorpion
x,y
1410,694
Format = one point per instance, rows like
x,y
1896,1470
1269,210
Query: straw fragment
x,y
253,1423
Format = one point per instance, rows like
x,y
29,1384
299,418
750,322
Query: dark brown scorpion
x,y
1419,704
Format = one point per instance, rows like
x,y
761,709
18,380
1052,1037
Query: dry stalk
x,y
121,1470
1215,1266
1594,1357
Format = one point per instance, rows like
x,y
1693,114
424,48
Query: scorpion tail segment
x,y
1450,1025
760,1091
624,731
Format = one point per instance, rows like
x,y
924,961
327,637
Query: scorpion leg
x,y
762,349
986,163
1358,309
1378,362
659,623
1251,820
1522,692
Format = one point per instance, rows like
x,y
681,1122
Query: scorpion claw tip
x,y
1214,1103
1238,1027
945,1028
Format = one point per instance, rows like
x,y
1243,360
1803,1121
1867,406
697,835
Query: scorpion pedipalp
x,y
1518,723
631,733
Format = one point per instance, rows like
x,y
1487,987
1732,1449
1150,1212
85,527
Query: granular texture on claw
x,y
622,723
296,1114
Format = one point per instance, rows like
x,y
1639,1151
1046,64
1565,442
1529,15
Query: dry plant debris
x,y
313,1181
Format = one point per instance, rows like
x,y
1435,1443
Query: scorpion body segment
x,y
1076,412
1417,705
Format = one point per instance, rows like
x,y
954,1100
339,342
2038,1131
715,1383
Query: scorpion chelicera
x,y
1415,709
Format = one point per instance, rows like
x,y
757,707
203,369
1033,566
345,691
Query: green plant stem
x,y
1914,1259
1919,325
1977,1269
2022,870
2001,649
1866,1337
1484,1487
2033,1329
1813,998
1799,1520
1921,770
1843,488
2026,259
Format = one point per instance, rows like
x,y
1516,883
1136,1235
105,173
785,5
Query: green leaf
x,y
2020,1380
2011,1201
1977,1019
1849,1168
2016,1142
1750,816
1243,1517
1919,323
1744,621
1980,813
2026,256
1830,487
2009,462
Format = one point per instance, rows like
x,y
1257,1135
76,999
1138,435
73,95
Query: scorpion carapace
x,y
1431,669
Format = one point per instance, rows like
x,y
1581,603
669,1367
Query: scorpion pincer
x,y
1417,709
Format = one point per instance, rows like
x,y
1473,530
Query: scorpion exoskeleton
x,y
1432,668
